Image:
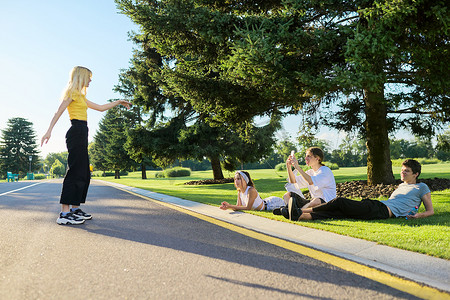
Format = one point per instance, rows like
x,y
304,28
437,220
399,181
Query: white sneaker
x,y
69,218
81,214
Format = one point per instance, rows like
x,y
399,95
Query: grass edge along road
x,y
428,236
398,283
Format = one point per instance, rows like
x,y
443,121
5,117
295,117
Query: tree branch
x,y
412,110
346,19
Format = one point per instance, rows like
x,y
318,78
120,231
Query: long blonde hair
x,y
78,80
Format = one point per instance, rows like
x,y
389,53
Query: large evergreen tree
x,y
137,116
108,151
174,128
384,62
96,151
17,145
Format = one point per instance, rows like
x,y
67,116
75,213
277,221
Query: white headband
x,y
243,176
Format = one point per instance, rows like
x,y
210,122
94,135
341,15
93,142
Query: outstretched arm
x,y
62,107
251,198
301,172
291,175
103,107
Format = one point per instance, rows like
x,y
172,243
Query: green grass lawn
x,y
429,235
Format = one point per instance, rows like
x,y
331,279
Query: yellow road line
x,y
397,283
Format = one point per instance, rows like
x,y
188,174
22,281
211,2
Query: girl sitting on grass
x,y
248,197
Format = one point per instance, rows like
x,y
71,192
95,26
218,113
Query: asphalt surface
x,y
134,248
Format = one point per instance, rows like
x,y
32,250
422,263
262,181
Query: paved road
x,y
137,249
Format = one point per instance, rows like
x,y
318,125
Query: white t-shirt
x,y
324,185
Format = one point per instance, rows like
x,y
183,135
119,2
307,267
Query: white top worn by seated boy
x,y
319,179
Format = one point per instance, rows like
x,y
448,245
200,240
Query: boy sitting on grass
x,y
408,195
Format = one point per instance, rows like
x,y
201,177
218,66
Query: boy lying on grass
x,y
408,195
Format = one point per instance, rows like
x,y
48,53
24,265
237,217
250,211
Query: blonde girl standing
x,y
77,178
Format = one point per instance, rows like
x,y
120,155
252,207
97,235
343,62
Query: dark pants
x,y
78,176
300,201
342,208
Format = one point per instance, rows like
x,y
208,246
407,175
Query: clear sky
x,y
40,42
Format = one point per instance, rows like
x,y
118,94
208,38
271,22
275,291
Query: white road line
x,y
20,189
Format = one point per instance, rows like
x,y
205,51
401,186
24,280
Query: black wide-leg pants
x,y
78,176
342,208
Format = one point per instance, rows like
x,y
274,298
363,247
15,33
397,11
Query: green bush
x,y
280,167
422,161
121,173
174,172
39,176
177,172
159,175
331,165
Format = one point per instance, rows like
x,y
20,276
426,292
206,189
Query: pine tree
x,y
109,151
17,145
175,129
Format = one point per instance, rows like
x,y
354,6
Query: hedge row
x,y
422,161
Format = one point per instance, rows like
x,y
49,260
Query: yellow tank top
x,y
78,107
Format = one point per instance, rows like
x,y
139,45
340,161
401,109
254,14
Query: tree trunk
x,y
117,174
379,165
144,171
216,168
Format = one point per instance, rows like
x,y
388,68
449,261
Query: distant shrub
x,y
97,173
159,175
422,161
280,167
121,173
39,176
174,172
177,172
331,165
